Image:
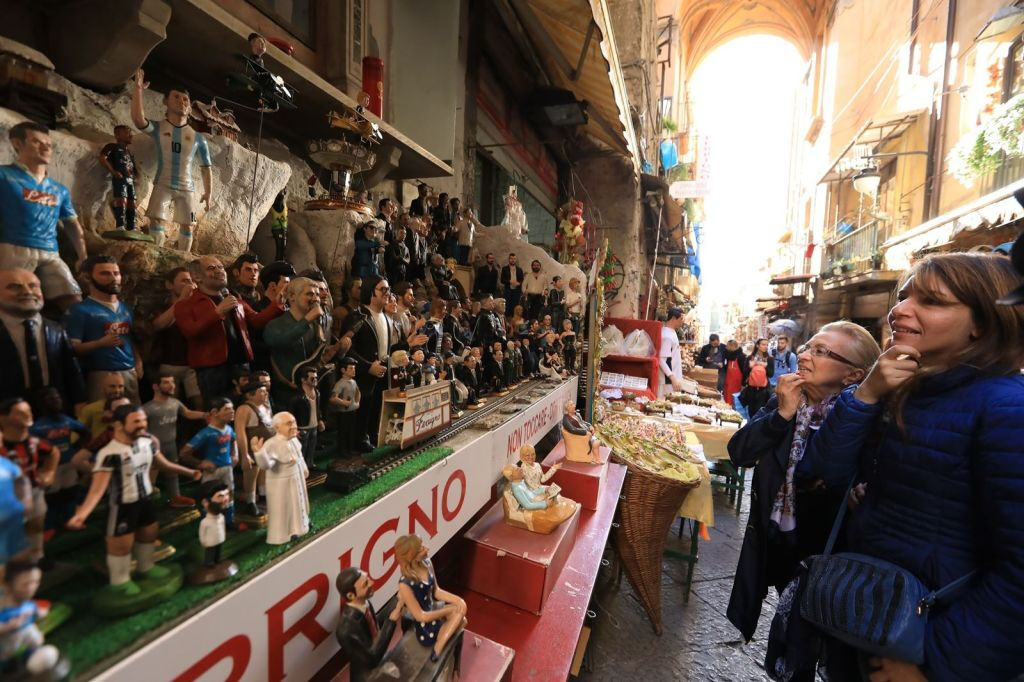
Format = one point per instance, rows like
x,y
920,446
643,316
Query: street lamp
x,y
867,181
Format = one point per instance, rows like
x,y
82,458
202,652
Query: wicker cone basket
x,y
649,505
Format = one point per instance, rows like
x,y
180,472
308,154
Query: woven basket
x,y
649,505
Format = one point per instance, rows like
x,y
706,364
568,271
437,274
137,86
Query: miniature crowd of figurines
x,y
434,616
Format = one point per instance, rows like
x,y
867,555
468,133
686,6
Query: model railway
x,y
493,403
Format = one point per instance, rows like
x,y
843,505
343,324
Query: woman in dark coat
x,y
756,387
790,518
944,492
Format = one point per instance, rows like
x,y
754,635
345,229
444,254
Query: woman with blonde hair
x,y
438,614
790,515
936,431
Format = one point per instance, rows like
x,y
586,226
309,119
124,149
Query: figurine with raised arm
x,y
21,643
362,638
580,443
212,534
287,497
178,146
122,471
535,510
438,614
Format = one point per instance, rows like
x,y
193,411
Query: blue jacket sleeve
x,y
833,454
980,636
759,438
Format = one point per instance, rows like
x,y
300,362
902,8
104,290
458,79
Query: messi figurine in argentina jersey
x,y
178,147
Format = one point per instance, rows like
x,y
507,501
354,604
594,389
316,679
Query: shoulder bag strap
x,y
840,515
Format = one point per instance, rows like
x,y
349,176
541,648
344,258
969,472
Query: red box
x,y
514,565
579,481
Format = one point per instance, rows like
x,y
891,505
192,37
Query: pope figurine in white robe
x,y
287,498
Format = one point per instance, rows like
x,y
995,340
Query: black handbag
x,y
868,603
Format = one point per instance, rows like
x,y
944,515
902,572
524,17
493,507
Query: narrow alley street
x,y
698,643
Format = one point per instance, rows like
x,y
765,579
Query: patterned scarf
x,y
808,418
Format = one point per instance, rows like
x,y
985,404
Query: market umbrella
x,y
647,508
789,327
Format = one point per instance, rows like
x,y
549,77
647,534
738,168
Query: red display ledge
x,y
545,644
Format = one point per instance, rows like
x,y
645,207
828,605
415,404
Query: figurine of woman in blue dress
x,y
438,614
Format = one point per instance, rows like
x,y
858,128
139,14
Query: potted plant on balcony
x,y
877,257
1000,137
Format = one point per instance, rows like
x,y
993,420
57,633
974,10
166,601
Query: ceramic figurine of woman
x,y
538,511
438,614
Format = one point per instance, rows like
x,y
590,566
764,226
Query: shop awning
x,y
574,40
876,134
791,279
990,211
203,41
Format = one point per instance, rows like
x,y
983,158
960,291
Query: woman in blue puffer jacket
x,y
936,431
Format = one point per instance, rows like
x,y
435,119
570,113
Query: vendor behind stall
x,y
670,364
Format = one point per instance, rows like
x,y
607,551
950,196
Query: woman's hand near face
x,y
895,366
789,392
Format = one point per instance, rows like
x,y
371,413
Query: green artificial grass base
x,y
90,640
112,603
374,456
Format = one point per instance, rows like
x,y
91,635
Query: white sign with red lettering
x,y
529,426
282,621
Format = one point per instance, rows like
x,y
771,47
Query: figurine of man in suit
x,y
361,638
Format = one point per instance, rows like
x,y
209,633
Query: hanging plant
x,y
998,138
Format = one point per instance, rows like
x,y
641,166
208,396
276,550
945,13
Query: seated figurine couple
x,y
527,502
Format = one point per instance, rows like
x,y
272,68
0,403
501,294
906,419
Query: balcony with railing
x,y
853,257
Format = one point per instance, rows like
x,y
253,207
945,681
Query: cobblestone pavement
x,y
697,643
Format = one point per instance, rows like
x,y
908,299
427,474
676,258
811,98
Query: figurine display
x,y
399,372
37,460
21,643
122,471
494,373
287,497
212,534
253,418
509,365
178,146
362,639
162,415
569,240
306,410
466,373
556,303
568,340
537,511
515,216
429,369
534,476
119,162
581,445
438,614
415,369
279,224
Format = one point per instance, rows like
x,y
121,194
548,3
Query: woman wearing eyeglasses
x,y
937,432
790,517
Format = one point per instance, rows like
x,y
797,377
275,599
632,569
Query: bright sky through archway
x,y
743,97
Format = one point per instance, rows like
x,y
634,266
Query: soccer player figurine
x,y
279,224
21,642
122,471
120,163
57,428
214,451
212,533
178,145
36,458
31,205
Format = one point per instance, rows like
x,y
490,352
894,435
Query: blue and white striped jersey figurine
x,y
178,148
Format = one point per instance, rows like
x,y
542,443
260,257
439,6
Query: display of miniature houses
x,y
25,83
209,118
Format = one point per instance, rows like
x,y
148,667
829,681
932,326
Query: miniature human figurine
x,y
306,410
214,450
37,460
438,614
415,369
533,475
212,534
536,510
508,366
21,642
556,303
396,257
466,373
399,372
295,338
120,163
279,224
362,639
162,414
178,145
287,497
459,394
31,206
345,401
580,443
122,471
568,339
574,303
494,372
15,498
57,428
430,369
252,418
534,289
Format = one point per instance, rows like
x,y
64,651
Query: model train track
x,y
493,403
